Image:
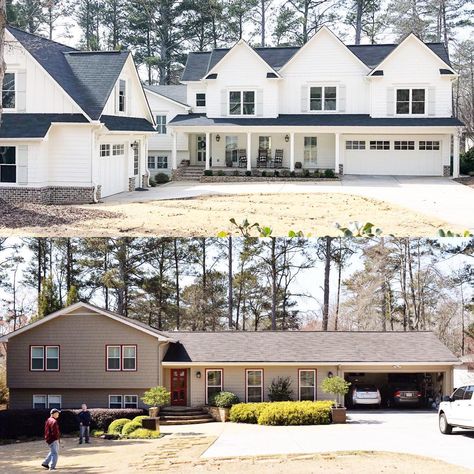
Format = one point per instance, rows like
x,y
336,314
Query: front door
x,y
201,148
179,387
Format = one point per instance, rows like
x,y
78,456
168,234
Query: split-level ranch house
x,y
86,354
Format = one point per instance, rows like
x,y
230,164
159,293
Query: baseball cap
x,y
54,410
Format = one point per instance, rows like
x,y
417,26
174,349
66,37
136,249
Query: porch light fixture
x,y
198,374
287,138
218,138
330,374
134,144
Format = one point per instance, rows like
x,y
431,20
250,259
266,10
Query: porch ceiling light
x,y
287,138
218,138
198,374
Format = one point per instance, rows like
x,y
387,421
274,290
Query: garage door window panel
x,y
355,145
379,145
429,145
104,150
118,150
404,145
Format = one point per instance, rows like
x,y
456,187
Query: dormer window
x,y
323,98
122,95
200,99
241,102
8,91
411,101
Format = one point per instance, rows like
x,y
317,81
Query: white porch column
x,y
456,140
174,151
292,151
249,151
337,152
208,150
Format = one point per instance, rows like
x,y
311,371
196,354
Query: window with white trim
x,y
157,162
254,380
37,358
54,401
241,102
129,357
410,101
200,99
307,384
136,159
379,145
113,358
44,358
403,145
355,144
122,95
213,383
7,164
130,401
115,401
40,401
161,124
104,150
8,91
52,358
310,152
323,98
429,145
118,150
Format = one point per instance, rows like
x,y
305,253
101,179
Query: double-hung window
x,y
37,358
44,358
52,358
130,401
307,384
200,99
157,162
121,358
8,91
113,358
410,101
7,164
213,383
54,401
40,401
122,95
129,358
241,102
115,401
254,384
161,124
323,98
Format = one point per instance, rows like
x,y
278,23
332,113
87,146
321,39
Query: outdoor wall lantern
x,y
287,138
198,374
330,374
218,138
134,144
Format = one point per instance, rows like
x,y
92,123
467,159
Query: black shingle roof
x,y
301,346
198,64
321,120
88,77
126,124
33,125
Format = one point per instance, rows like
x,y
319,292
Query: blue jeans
x,y
52,457
84,432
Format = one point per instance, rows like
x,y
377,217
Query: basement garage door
x,y
112,169
389,156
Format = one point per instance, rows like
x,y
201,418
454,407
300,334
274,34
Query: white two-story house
x,y
75,125
365,109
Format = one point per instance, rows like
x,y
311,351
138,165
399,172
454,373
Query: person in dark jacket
x,y
51,436
84,424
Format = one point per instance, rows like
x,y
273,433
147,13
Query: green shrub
x,y
140,418
246,412
296,413
156,397
467,162
143,433
335,385
208,173
306,173
317,174
248,173
236,173
264,174
280,390
152,182
3,386
276,174
130,427
220,173
224,400
161,178
293,174
329,174
97,433
285,173
116,426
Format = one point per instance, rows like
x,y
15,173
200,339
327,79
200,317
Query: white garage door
x,y
388,156
112,169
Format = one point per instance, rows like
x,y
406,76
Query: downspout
x,y
96,126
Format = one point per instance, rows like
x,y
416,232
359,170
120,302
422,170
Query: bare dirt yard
x,y
181,454
314,214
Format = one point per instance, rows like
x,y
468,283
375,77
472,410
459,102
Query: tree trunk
x,y
230,276
274,282
360,4
176,269
327,271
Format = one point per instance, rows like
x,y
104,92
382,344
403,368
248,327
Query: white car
x,y
366,395
457,410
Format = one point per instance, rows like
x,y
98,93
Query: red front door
x,y
179,387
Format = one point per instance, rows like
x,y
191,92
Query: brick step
x,y
181,409
187,416
185,421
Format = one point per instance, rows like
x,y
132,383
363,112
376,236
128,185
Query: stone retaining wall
x,y
48,195
227,179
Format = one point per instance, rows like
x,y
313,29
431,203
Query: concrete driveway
x,y
395,431
439,197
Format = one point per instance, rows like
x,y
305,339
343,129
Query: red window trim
x,y
263,382
315,382
45,347
205,384
121,358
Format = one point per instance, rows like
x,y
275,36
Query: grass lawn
x,y
181,453
314,214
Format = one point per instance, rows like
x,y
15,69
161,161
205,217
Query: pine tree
x,y
48,300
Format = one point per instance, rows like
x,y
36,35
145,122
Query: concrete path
x,y
402,432
437,197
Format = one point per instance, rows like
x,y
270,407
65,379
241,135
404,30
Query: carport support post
x,y
208,150
174,151
292,151
249,151
456,140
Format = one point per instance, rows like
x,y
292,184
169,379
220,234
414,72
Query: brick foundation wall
x,y
446,170
132,184
341,169
48,195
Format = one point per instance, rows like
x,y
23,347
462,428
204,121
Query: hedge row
x,y
30,422
283,413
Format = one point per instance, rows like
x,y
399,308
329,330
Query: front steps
x,y
184,416
189,173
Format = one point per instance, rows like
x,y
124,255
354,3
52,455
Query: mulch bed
x,y
467,181
42,215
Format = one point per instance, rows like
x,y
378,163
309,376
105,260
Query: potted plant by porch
x,y
337,386
155,398
221,403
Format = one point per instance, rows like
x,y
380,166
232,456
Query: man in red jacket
x,y
51,436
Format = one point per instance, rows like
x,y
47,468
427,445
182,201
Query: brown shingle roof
x,y
302,346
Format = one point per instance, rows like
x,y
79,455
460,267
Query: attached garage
x,y
112,169
394,155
